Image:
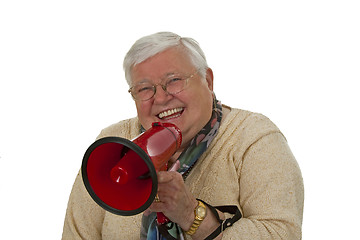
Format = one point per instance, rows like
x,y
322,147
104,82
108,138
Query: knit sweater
x,y
248,164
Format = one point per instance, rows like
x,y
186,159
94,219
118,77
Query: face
x,y
190,109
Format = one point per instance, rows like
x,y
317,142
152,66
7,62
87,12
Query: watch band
x,y
199,217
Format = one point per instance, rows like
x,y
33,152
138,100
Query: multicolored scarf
x,y
188,158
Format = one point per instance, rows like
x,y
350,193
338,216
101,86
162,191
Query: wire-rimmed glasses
x,y
174,84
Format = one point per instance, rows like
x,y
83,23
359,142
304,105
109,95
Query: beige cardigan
x,y
248,164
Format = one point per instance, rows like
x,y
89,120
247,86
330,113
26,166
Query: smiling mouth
x,y
172,113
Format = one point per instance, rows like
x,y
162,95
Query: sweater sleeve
x,y
84,218
271,192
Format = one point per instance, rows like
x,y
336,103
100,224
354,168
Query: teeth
x,y
170,112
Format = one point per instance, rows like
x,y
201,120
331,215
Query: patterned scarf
x,y
188,158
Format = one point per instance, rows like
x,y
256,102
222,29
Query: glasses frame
x,y
164,87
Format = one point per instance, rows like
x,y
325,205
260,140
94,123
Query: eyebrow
x,y
146,80
164,77
172,73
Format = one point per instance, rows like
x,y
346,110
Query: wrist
x,y
198,215
186,224
209,225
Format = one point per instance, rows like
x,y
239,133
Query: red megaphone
x,y
120,175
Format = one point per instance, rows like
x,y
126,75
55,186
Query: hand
x,y
176,201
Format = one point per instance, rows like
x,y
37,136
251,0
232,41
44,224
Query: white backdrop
x,y
62,82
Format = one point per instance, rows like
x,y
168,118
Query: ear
x,y
210,78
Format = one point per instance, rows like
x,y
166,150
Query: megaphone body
x,y
120,175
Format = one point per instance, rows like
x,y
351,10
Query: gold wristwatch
x,y
200,214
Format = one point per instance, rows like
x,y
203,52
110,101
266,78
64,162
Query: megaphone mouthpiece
x,y
119,175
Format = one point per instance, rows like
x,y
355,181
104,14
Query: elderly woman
x,y
229,157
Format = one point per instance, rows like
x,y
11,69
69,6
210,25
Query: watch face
x,y
201,212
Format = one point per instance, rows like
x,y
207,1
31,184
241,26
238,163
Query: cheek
x,y
200,106
202,99
143,112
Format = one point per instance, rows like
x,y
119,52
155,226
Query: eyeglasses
x,y
174,84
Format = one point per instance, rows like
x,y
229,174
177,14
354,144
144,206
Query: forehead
x,y
170,61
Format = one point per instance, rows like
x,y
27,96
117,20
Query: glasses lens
x,y
176,85
143,91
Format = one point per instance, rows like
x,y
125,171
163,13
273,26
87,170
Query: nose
x,y
161,95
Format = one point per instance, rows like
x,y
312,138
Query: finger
x,y
175,166
165,177
147,212
156,207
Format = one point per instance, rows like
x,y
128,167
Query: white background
x,y
62,81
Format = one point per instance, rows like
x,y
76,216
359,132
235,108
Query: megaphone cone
x,y
120,175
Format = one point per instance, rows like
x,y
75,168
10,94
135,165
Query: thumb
x,y
175,166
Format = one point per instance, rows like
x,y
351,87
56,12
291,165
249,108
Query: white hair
x,y
151,45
